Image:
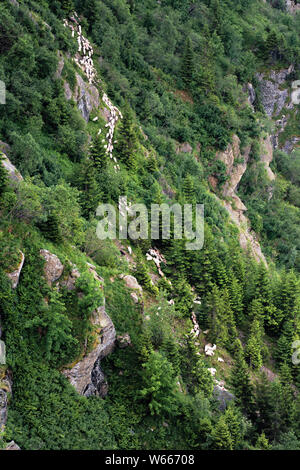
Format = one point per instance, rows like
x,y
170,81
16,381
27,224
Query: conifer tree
x,y
254,345
159,385
217,309
256,311
220,272
90,195
271,47
240,379
170,346
98,154
201,379
272,317
205,77
283,351
151,163
222,324
127,140
233,421
189,189
262,442
67,6
187,67
141,273
235,292
183,296
51,229
221,435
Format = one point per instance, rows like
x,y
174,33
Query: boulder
x,y
131,282
12,446
53,268
15,275
123,341
70,281
223,396
184,148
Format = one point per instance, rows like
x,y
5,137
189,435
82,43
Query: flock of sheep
x,y
85,61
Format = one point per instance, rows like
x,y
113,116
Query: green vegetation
x,y
177,71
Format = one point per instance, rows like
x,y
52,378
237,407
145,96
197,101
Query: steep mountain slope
x,y
142,344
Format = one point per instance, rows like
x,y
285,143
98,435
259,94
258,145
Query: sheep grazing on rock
x,y
87,66
210,350
154,255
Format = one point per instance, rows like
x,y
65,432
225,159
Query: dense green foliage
x,y
177,70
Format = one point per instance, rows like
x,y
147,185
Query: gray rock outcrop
x,y
236,165
5,390
131,282
123,341
85,95
53,268
15,275
99,384
12,446
184,148
12,172
70,282
273,97
234,206
86,376
292,7
223,396
267,156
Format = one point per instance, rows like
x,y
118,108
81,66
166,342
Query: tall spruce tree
x,y
221,435
240,380
127,140
187,66
98,154
254,345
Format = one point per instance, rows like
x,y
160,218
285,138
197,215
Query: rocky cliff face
x,y
273,96
236,165
85,95
276,96
13,174
86,376
267,155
